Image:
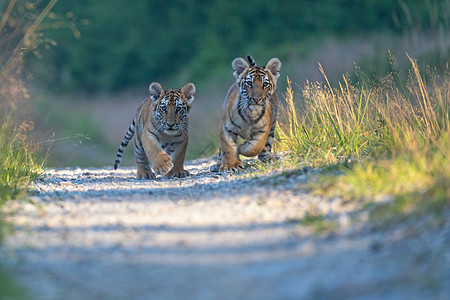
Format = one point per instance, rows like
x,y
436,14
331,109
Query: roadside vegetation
x,y
388,138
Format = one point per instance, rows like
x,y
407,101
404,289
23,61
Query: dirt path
x,y
101,234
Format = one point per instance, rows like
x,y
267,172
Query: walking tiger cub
x,y
249,112
160,131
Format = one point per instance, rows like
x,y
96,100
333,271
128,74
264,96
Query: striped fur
x,y
250,110
124,144
160,131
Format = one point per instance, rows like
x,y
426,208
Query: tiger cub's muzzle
x,y
257,100
171,126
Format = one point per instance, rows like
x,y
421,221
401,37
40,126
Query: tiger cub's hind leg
x,y
266,154
143,167
144,172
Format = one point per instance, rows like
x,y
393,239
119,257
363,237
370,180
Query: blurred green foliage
x,y
118,43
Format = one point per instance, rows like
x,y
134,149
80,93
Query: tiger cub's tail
x,y
124,144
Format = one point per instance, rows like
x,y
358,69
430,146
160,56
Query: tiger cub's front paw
x,y
177,174
163,163
234,166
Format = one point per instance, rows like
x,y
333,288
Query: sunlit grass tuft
x,y
19,162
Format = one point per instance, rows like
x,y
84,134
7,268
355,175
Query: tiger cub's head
x,y
256,84
172,106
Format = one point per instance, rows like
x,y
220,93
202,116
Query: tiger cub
x,y
160,131
249,112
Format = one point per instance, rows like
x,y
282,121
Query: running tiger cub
x,y
160,131
249,112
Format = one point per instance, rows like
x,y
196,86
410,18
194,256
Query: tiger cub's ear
x,y
274,66
156,91
189,90
239,65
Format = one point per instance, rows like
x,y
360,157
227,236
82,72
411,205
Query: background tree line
x,y
114,44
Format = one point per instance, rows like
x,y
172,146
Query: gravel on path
x,y
102,234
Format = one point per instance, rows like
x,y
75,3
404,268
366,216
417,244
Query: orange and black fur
x,y
160,131
250,110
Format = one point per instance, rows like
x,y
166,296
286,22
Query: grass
x,y
390,139
19,162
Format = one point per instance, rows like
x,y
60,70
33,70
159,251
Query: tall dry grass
x,y
364,120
